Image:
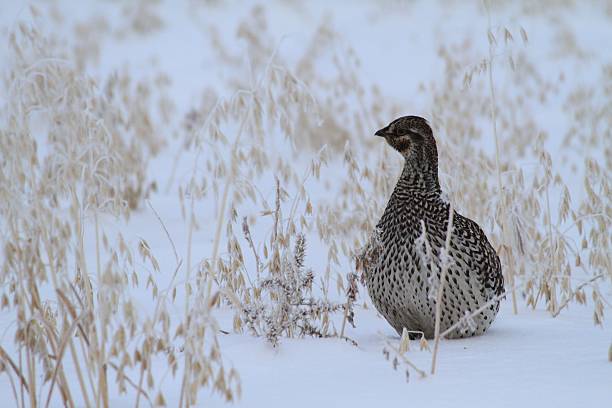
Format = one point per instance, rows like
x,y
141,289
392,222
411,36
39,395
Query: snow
x,y
528,359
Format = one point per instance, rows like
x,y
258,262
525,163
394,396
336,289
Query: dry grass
x,y
78,149
73,314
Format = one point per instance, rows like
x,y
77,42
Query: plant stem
x,y
444,267
510,274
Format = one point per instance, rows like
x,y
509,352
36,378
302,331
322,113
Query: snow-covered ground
x,y
525,359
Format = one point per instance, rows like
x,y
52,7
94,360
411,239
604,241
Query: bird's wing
x,y
486,264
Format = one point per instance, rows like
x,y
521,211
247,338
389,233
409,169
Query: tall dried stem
x,y
493,107
444,263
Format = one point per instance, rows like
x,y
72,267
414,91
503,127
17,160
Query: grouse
x,y
407,249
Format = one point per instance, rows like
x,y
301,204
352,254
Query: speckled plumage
x,y
400,280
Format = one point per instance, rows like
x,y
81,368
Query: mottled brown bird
x,y
403,277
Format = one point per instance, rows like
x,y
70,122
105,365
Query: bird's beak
x,y
382,132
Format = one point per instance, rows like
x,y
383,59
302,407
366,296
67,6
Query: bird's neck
x,y
420,176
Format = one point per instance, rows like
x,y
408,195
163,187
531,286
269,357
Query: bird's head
x,y
413,138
